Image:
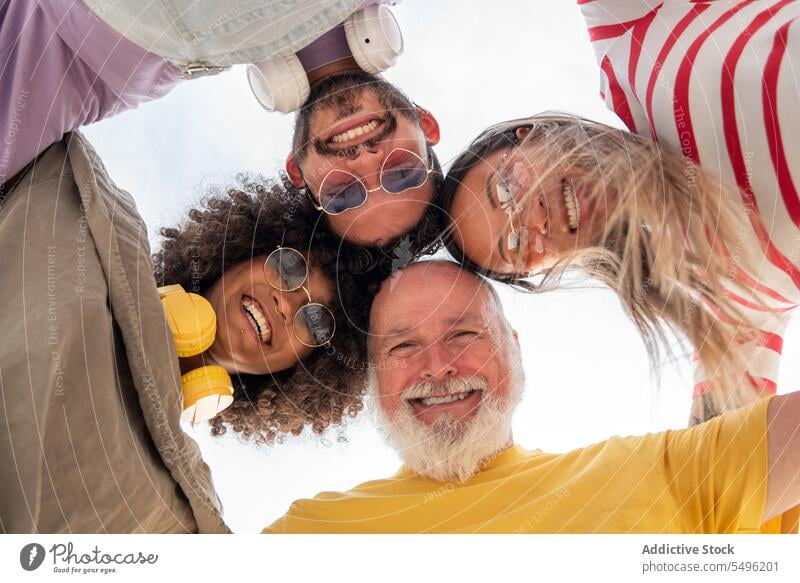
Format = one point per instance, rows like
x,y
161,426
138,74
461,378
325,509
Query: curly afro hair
x,y
252,219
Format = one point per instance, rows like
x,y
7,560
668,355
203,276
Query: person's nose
x,y
535,214
286,304
439,363
366,164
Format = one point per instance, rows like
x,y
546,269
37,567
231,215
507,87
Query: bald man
x,y
447,376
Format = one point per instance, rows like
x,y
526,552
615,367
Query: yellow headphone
x,y
206,390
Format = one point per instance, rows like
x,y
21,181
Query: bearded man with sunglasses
x,y
364,153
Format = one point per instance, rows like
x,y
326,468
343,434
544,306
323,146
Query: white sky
x,y
472,63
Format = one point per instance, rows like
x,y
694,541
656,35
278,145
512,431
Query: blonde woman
x,y
712,83
545,194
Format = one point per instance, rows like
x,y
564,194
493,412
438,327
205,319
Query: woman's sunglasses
x,y
286,270
342,191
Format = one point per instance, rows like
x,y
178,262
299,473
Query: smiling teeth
x,y
355,132
448,399
257,319
571,204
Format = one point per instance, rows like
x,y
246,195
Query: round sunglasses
x,y
286,270
342,191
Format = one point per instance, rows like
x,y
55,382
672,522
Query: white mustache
x,y
450,386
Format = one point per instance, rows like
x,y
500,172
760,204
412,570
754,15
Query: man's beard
x,y
451,450
343,93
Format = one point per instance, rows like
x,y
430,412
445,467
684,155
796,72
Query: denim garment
x,y
219,34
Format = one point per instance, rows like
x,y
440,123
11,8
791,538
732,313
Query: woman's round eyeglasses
x,y
286,270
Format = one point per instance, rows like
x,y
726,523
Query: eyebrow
x,y
454,321
501,250
492,202
395,332
460,319
463,318
488,191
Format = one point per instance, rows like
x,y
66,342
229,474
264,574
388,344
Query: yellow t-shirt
x,y
707,479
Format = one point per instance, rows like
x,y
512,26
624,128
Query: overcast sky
x,y
472,63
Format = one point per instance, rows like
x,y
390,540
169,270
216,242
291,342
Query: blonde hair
x,y
672,237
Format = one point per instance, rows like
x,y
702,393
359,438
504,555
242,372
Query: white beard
x,y
451,450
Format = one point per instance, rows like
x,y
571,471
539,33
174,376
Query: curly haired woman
x,y
220,252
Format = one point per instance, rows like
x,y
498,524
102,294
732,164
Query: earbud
x,y
375,41
207,390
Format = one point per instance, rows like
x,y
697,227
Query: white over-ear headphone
x,y
374,38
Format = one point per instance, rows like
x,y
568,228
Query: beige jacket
x,y
89,384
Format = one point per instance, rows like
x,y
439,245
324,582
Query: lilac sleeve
x,y
62,68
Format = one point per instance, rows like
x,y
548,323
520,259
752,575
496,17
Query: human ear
x,y
429,125
522,132
294,173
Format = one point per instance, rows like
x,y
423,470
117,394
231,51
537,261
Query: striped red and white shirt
x,y
719,81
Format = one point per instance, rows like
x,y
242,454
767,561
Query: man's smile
x,y
355,133
353,127
461,405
